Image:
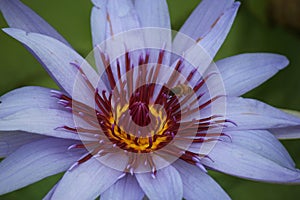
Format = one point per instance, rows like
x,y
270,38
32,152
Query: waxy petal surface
x,y
251,163
126,188
25,98
197,184
40,121
35,161
252,114
12,140
56,57
242,73
86,181
167,184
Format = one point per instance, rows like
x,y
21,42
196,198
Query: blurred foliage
x,y
260,26
293,112
286,13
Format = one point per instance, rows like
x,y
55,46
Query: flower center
x,y
139,112
146,118
141,126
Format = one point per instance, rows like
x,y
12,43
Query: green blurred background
x,y
260,26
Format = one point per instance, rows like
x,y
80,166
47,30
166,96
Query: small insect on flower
x,y
180,90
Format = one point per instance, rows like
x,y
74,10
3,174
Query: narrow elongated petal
x,y
244,72
87,181
215,38
109,18
56,58
41,121
264,144
203,18
112,17
27,97
167,184
287,133
121,16
126,188
35,161
122,27
197,184
11,141
201,52
153,13
20,16
99,29
251,163
253,114
99,21
215,27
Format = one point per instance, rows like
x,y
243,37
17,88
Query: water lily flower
x,y
154,117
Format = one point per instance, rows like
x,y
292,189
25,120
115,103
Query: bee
x,y
180,90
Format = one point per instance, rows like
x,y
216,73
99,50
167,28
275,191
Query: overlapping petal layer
x,y
35,161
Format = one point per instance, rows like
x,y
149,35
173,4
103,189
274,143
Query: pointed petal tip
x,y
5,29
296,180
279,61
234,8
236,4
12,31
284,62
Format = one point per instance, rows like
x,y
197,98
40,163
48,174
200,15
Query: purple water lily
x,y
156,115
